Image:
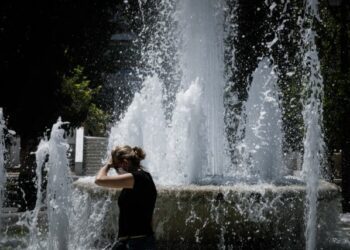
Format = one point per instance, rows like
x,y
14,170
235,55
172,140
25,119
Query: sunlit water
x,y
312,115
261,148
189,146
49,222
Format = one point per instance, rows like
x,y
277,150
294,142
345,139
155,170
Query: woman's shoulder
x,y
142,174
142,171
143,178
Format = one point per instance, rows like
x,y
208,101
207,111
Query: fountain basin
x,y
214,217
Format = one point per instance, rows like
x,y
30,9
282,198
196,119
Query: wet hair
x,y
134,154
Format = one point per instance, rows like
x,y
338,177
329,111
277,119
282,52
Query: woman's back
x,y
136,206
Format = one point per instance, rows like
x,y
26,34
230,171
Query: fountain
x,y
197,119
205,200
208,198
261,147
47,226
312,114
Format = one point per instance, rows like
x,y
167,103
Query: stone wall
x,y
95,149
243,216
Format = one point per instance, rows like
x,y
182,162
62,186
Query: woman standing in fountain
x,y
137,198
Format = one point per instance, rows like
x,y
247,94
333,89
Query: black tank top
x,y
136,206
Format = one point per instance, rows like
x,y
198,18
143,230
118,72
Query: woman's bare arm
x,y
115,181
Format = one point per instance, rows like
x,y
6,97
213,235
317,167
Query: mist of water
x,y
260,152
36,231
191,146
58,189
88,220
55,203
312,115
202,57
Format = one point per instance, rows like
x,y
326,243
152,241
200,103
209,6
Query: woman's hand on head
x,y
110,165
110,161
116,181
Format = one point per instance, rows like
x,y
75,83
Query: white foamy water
x,y
202,56
35,239
58,189
312,115
191,146
87,221
144,124
185,155
55,204
260,151
188,147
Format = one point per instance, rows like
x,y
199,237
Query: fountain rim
x,y
326,189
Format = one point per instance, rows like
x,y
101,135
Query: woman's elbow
x,y
98,181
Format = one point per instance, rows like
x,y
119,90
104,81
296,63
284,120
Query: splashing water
x,y
73,221
202,57
52,154
58,189
88,219
41,155
312,115
183,153
144,123
261,148
191,146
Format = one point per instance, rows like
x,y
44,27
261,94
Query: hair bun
x,y
139,153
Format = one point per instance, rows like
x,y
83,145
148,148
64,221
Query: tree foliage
x,y
334,37
52,57
79,106
336,73
41,45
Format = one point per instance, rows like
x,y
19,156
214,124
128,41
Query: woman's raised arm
x,y
115,181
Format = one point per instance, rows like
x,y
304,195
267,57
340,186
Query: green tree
x,y
41,43
334,37
79,103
